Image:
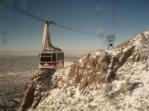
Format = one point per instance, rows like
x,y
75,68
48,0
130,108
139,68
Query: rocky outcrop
x,y
99,69
101,66
36,89
117,79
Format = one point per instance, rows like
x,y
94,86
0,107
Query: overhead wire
x,y
20,10
33,16
75,30
114,15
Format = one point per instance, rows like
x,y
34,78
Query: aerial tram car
x,y
51,57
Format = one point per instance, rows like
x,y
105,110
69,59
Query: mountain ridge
x,y
117,79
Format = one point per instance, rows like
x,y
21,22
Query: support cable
x,y
33,16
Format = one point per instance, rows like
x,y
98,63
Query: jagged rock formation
x,y
102,66
116,79
36,89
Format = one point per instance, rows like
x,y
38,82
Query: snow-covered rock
x,y
115,80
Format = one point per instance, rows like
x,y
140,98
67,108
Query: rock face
x,y
36,89
117,79
102,66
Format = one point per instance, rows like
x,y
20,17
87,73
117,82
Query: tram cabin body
x,y
51,59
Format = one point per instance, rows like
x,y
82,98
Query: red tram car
x,y
50,56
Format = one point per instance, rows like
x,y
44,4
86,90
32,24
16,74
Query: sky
x,y
19,33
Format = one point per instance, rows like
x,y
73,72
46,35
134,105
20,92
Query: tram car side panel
x,y
51,60
60,60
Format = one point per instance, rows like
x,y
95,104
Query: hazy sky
x,y
21,33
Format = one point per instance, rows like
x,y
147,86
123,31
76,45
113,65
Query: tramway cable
x,y
33,16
